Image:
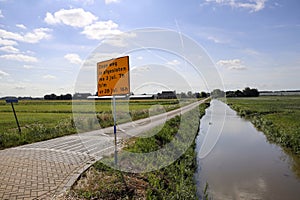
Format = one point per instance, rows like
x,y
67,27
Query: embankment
x,y
176,181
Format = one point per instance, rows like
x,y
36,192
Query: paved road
x,y
44,170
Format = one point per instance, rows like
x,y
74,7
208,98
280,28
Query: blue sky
x,y
43,44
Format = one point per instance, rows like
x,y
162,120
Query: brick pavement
x,y
46,169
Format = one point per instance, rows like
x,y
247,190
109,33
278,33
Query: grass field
x,y
41,120
277,116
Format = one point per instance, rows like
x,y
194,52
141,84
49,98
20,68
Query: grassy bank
x,y
175,181
42,120
278,117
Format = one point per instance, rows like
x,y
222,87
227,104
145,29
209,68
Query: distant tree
x,y
183,95
190,94
254,92
217,93
250,92
50,97
55,97
197,95
230,94
203,95
239,93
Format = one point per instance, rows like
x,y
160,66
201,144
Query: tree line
x,y
60,97
216,93
247,92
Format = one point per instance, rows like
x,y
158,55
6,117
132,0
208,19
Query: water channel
x,y
237,161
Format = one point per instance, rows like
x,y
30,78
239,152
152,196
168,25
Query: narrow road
x,y
46,169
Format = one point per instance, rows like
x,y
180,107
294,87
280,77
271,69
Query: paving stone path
x,y
44,170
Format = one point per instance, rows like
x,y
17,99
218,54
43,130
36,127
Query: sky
x,y
45,45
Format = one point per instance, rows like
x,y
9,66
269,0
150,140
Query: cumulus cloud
x,y
48,76
111,1
19,57
31,37
9,49
252,5
235,64
7,42
2,73
101,29
73,17
73,58
22,26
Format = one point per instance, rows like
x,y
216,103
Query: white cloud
x,y
101,29
73,58
2,73
9,49
28,66
22,26
48,76
111,1
7,42
252,5
1,15
235,64
241,67
119,41
173,62
216,40
73,17
31,37
37,35
19,57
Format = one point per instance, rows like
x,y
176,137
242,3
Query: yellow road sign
x,y
113,77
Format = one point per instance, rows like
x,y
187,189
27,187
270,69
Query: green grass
x,y
175,181
278,117
41,120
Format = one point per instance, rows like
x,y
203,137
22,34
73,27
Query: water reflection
x,y
242,165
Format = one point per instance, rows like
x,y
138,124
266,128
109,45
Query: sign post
x,y
115,130
112,80
12,100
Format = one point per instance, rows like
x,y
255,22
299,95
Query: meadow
x,y
277,116
41,120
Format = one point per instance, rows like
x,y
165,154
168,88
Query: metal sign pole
x,y
12,105
115,130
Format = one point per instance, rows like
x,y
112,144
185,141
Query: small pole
x,y
115,130
12,105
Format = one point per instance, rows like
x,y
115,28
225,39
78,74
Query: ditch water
x,y
242,164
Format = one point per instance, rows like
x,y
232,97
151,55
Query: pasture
x,y
277,116
41,120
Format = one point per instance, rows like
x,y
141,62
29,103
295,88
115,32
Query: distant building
x,y
144,96
167,95
81,95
